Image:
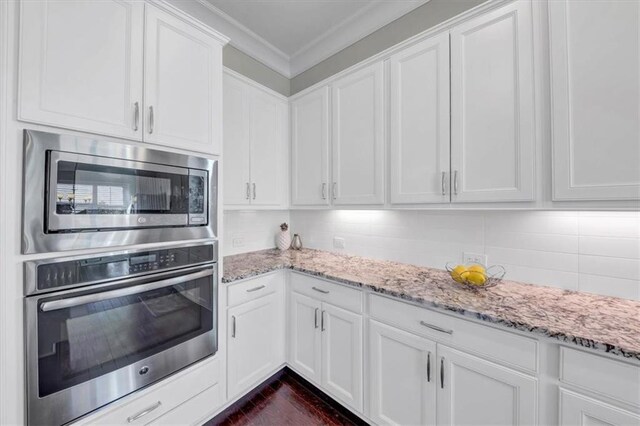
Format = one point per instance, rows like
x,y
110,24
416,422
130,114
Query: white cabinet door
x,y
492,107
420,123
342,354
236,157
254,337
472,391
595,63
402,377
358,137
579,410
268,121
81,65
310,149
304,336
182,84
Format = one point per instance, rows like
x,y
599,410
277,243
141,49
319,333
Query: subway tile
x,y
546,277
529,241
610,225
610,267
564,223
610,247
609,286
533,259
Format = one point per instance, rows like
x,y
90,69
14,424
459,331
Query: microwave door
x,y
87,192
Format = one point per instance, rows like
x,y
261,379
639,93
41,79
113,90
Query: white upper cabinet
x,y
121,68
237,146
81,65
182,82
472,391
595,64
255,145
419,104
358,137
492,107
310,149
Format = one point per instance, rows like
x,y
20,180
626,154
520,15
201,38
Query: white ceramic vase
x,y
283,240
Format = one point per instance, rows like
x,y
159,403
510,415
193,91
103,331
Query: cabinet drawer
x,y
604,376
336,294
253,288
194,411
161,398
507,348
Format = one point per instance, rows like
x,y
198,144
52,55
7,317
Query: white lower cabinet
x,y
326,344
473,391
402,377
579,410
254,331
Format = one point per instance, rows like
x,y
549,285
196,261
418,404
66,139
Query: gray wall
x,y
244,64
420,19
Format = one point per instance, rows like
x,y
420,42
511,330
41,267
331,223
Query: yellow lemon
x,y
475,278
457,273
477,268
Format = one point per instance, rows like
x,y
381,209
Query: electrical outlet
x,y
339,243
475,258
238,242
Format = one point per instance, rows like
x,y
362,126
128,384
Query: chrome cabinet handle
x,y
254,191
143,413
455,182
136,115
151,120
442,373
443,179
436,328
315,318
233,326
251,290
324,190
320,290
125,291
248,191
429,366
322,321
334,190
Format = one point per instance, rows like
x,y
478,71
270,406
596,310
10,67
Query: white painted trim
x,y
385,54
6,317
189,19
351,30
254,84
249,42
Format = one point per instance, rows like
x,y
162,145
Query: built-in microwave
x,y
84,193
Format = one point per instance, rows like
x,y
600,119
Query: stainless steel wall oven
x,y
101,326
81,192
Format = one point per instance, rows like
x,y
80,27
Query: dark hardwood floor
x,y
286,399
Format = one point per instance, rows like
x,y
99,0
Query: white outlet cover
x,y
339,243
475,258
238,242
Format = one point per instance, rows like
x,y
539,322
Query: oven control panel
x,y
99,268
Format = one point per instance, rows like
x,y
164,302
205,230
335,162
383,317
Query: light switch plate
x,y
339,243
475,258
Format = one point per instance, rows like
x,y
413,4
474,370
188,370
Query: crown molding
x,y
343,34
242,38
337,37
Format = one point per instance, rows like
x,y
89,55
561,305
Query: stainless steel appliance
x,y
104,325
81,192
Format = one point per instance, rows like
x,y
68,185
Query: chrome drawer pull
x,y
250,290
254,191
436,328
322,321
443,179
442,373
324,191
428,366
248,191
144,412
320,290
136,116
151,120
233,326
315,318
455,182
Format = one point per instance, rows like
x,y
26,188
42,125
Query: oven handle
x,y
126,291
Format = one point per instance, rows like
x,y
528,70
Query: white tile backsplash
x,y
256,229
597,252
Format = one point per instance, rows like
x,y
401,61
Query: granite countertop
x,y
599,322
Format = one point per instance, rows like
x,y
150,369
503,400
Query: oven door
x,y
86,348
87,192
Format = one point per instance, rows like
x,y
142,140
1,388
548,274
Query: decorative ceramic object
x,y
283,239
297,242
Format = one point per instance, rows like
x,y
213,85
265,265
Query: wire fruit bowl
x,y
476,278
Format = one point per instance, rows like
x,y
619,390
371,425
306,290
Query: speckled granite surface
x,y
598,322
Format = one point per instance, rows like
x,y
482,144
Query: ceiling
x,y
291,36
